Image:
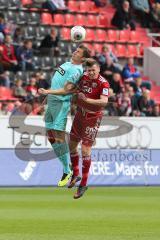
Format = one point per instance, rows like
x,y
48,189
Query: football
x,y
78,34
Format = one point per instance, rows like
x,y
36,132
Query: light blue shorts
x,y
56,114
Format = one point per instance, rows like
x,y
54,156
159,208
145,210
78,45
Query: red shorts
x,y
85,127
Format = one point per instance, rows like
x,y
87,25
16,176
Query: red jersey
x,y
92,89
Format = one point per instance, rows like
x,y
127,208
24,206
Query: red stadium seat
x,y
91,21
121,50
92,7
97,47
58,20
46,18
103,21
73,6
26,2
80,20
84,6
90,35
101,35
65,33
123,36
134,37
112,36
132,51
6,94
69,20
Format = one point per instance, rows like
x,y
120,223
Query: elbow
x,y
104,104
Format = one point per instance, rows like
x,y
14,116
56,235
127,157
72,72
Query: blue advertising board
x,y
109,167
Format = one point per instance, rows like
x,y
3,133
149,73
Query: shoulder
x,y
103,81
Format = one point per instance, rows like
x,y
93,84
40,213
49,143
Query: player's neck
x,y
75,62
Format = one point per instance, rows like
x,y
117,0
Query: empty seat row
x,y
100,35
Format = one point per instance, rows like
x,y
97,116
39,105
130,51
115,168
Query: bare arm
x,y
68,89
102,102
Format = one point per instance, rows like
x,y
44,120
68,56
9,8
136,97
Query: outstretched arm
x,y
68,89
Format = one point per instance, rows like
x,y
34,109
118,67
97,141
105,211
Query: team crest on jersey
x,y
94,84
61,71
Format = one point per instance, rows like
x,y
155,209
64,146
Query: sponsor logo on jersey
x,y
86,89
61,71
105,91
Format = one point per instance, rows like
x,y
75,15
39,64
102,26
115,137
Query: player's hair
x,y
90,62
86,51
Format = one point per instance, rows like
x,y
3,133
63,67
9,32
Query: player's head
x,y
80,54
92,68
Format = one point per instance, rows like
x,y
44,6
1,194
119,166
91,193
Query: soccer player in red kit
x,y
91,99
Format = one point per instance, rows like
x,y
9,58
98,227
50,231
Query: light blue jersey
x,y
59,105
67,72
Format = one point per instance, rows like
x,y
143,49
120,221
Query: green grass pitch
x,y
108,213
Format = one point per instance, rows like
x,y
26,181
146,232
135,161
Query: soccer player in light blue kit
x,y
59,96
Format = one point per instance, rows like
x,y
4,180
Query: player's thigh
x,y
60,116
75,134
48,118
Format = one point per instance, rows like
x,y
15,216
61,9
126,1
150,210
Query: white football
x,y
78,34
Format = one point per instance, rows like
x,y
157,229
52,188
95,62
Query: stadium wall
x,y
126,152
152,63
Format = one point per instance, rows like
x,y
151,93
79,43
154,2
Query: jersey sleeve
x,y
105,89
74,76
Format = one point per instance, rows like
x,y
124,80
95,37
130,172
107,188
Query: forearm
x,y
97,102
60,91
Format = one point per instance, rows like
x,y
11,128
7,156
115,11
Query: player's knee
x,y
50,136
59,140
51,140
86,153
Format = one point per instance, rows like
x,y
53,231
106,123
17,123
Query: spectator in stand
x,y
144,11
130,70
145,103
8,58
4,79
2,27
134,99
139,85
122,18
105,54
18,90
156,12
49,44
100,3
108,69
156,110
115,83
18,37
41,81
25,55
32,87
124,104
55,6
